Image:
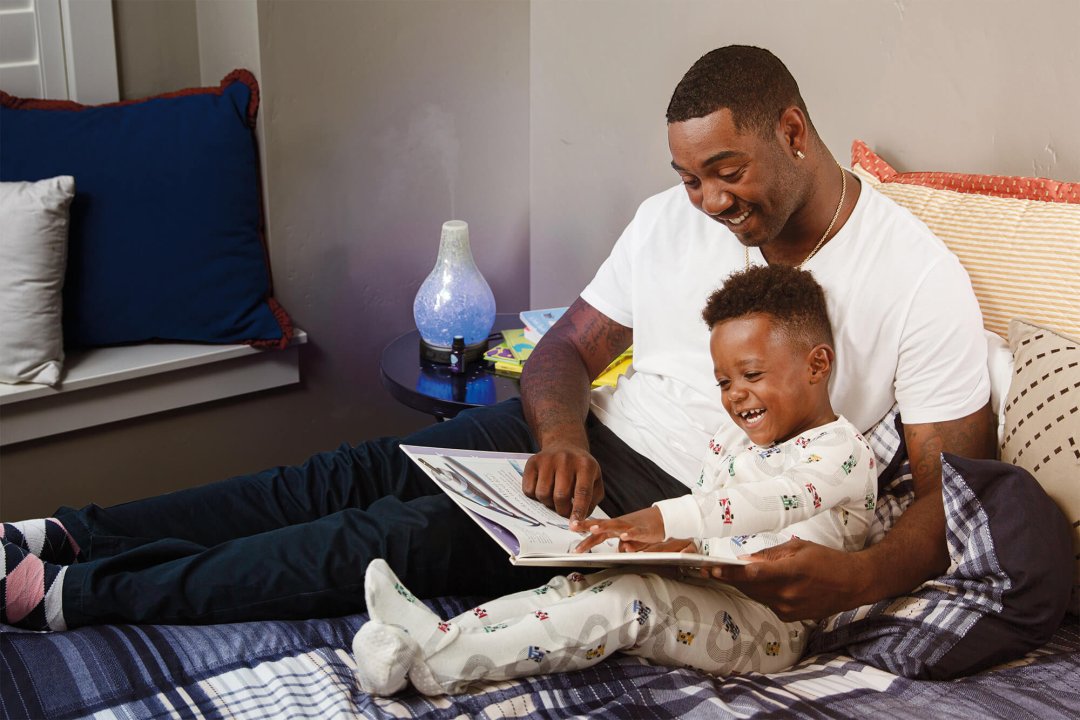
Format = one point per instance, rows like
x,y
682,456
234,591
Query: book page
x,y
487,485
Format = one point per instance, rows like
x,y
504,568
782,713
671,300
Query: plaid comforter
x,y
305,670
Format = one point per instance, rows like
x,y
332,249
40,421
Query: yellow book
x,y
611,373
520,345
501,353
511,369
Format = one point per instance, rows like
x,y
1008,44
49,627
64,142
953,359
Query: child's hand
x,y
634,531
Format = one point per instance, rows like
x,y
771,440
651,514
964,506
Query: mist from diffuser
x,y
455,299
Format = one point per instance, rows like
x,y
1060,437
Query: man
x,y
295,541
767,190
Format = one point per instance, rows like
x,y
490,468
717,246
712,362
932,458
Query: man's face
x,y
743,181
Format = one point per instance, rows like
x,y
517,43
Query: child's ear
x,y
819,362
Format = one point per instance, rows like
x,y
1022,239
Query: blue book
x,y
538,322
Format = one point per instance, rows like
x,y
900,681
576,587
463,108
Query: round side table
x,y
431,387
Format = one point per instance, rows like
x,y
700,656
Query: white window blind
x,y
58,49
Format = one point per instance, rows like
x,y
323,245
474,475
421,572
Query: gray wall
x,y
979,86
380,121
541,123
157,46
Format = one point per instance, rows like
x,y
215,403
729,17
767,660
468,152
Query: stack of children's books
x,y
509,356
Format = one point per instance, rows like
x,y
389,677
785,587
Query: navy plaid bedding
x,y
305,670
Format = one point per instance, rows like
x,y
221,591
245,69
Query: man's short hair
x,y
750,82
790,296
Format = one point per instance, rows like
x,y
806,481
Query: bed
x,y
299,669
305,669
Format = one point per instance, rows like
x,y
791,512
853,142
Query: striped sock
x,y
30,590
46,538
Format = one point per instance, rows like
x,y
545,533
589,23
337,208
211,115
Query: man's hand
x,y
566,479
635,531
555,395
799,580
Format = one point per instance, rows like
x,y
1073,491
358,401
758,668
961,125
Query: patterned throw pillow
x,y
1016,237
1042,420
1005,591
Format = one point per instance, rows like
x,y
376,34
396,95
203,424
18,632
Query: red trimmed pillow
x,y
166,239
1015,236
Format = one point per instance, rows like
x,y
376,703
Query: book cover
x,y
611,374
487,486
539,322
520,345
509,369
500,353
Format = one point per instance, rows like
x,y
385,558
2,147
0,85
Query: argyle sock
x,y
30,590
47,538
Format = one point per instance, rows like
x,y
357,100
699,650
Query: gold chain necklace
x,y
839,206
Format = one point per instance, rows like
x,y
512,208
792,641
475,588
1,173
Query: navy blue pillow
x,y
1005,593
166,234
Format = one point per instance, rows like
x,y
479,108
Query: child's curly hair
x,y
789,295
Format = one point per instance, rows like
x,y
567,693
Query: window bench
x,y
116,383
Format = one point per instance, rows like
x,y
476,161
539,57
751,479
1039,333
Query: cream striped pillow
x,y
1018,238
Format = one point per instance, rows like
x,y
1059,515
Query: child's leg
x,y
575,623
403,634
515,605
713,628
698,624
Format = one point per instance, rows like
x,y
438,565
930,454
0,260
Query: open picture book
x,y
487,486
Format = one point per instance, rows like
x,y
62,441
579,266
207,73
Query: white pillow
x,y
33,257
999,361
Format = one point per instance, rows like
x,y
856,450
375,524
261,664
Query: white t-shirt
x,y
907,326
820,485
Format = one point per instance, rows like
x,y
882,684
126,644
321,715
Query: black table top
x,y
431,387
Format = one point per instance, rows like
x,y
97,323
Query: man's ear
x,y
792,130
819,362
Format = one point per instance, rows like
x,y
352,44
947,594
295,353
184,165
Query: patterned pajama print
x,y
819,486
577,620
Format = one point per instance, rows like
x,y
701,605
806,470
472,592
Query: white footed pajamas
x,y
573,622
822,483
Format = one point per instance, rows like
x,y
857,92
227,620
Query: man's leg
x,y
310,558
329,482
313,569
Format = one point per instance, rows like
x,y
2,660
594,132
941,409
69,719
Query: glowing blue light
x,y
455,299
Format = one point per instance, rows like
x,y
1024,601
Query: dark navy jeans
x,y
294,542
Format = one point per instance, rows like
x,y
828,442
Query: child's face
x,y
768,385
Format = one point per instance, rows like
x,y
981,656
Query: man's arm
x,y
555,393
803,580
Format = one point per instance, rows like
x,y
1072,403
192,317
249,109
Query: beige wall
x,y
157,46
541,123
985,86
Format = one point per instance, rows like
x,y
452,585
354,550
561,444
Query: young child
x,y
805,471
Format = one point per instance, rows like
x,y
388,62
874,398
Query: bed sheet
x,y
304,669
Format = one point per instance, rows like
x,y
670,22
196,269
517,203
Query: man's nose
x,y
715,201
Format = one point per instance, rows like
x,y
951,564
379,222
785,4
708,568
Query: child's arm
x,y
829,476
